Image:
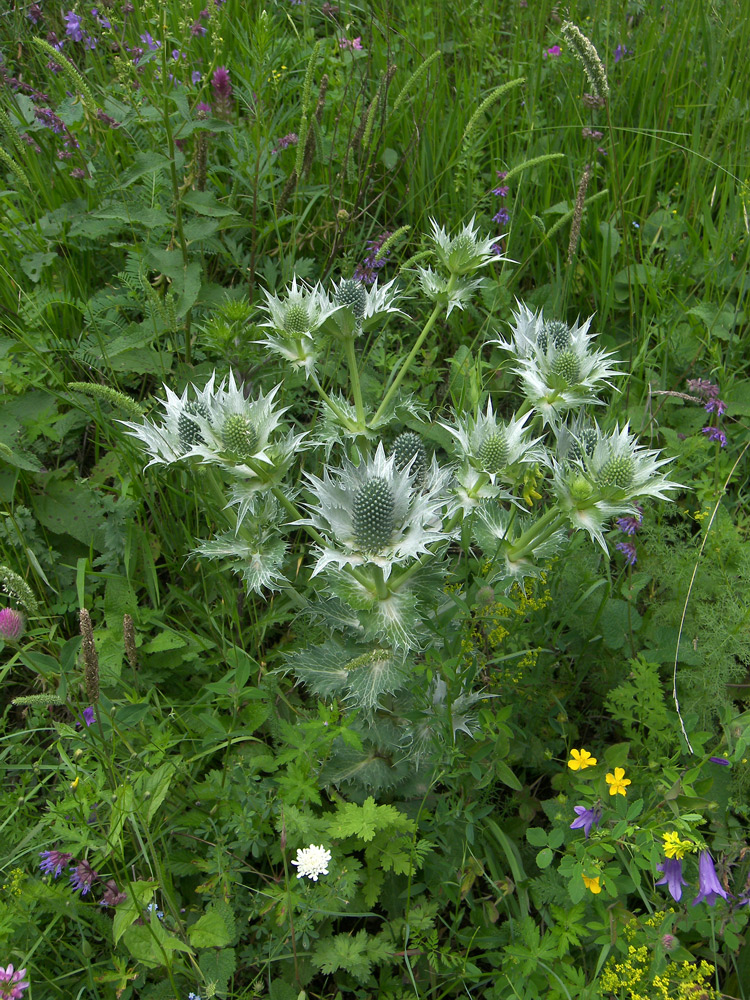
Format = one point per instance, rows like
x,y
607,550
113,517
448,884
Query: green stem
x,y
412,354
176,192
539,532
381,587
334,407
354,376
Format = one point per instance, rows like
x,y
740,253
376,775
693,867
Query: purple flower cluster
x,y
350,44
82,876
12,983
221,84
709,886
552,53
621,52
708,393
367,271
629,526
48,118
76,31
290,139
502,216
12,624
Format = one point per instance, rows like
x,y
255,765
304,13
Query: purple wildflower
x,y
717,406
501,217
50,120
502,191
197,29
107,119
222,83
719,760
101,18
53,862
35,13
709,887
73,27
83,877
89,42
12,983
88,717
672,877
78,173
112,895
355,43
12,623
629,525
196,76
585,819
621,52
629,551
136,53
716,434
152,43
703,387
366,272
552,53
202,110
591,133
290,139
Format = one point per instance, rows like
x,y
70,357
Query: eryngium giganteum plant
x,y
399,538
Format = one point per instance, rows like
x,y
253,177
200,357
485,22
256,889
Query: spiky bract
x,y
374,513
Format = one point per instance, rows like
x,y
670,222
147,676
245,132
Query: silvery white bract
x,y
452,293
495,448
361,307
608,479
173,438
259,561
558,368
374,514
465,253
294,319
237,434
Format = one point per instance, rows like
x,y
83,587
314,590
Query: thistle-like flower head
x,y
173,437
465,253
359,307
594,483
438,288
558,367
294,319
495,447
375,513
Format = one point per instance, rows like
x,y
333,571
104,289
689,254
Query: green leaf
x,y
218,967
545,857
215,929
536,836
126,913
205,203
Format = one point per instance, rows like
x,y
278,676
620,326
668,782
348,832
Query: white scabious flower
x,y
558,368
453,293
465,253
597,481
312,861
361,307
491,449
174,437
294,319
374,513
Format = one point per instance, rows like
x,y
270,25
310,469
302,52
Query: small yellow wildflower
x,y
674,847
592,884
580,760
618,781
74,784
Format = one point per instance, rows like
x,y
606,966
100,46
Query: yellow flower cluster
x,y
631,979
16,880
674,847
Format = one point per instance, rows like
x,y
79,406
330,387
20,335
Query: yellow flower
x,y
581,759
592,884
674,847
618,781
74,784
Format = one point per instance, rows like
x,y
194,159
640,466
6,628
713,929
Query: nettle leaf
x,y
215,929
218,967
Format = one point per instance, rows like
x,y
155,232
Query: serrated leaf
x,y
211,930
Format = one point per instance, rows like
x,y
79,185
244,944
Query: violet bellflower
x,y
709,886
585,819
672,877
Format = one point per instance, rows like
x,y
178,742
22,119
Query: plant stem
x,y
381,587
538,532
354,376
412,354
175,192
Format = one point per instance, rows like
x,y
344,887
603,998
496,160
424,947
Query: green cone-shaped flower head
x,y
188,430
374,512
239,435
554,332
353,294
372,516
465,253
408,448
493,451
